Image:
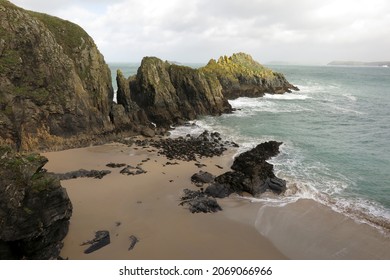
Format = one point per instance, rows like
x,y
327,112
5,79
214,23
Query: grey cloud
x,y
196,30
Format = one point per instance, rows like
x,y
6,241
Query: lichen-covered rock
x,y
34,208
53,80
241,76
170,93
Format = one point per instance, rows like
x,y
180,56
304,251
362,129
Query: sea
x,y
335,133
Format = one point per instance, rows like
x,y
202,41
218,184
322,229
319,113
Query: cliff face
x,y
170,93
34,208
241,76
53,80
126,114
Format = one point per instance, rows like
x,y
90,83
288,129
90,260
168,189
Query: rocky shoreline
x,y
56,89
56,93
182,168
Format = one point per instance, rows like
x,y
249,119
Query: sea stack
x,y
241,76
171,94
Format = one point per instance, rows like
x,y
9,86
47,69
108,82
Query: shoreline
x,y
147,206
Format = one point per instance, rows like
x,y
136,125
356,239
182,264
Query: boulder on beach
x,y
34,208
251,173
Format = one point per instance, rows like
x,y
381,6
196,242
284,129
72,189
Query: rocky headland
x,y
171,94
56,93
241,76
56,90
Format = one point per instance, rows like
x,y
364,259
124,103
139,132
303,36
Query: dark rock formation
x,y
102,238
251,173
169,93
202,177
130,170
133,240
115,165
241,76
127,114
54,82
199,202
34,208
189,148
97,174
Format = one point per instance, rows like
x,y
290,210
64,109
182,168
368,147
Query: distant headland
x,y
360,63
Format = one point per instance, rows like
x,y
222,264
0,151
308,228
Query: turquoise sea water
x,y
336,135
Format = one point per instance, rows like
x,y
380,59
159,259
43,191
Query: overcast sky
x,y
304,31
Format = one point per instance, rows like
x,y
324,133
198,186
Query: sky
x,y
295,31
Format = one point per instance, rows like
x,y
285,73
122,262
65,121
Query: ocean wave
x,y
313,88
307,178
251,106
316,181
287,96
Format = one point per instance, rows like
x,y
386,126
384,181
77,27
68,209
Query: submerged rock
x,y
34,208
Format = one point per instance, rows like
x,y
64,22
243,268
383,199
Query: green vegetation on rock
x,y
241,76
52,76
237,65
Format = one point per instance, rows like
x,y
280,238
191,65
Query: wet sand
x,y
322,233
147,206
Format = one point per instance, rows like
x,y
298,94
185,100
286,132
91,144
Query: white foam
x,y
306,178
252,106
287,96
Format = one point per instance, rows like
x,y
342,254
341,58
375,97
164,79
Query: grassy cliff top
x,y
68,34
239,64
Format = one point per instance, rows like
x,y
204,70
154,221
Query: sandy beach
x,y
147,206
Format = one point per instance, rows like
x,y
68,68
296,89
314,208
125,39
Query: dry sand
x,y
146,206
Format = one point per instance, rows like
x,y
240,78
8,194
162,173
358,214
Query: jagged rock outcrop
x,y
34,208
54,82
251,173
170,93
126,114
241,76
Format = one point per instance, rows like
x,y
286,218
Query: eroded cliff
x,y
54,82
170,93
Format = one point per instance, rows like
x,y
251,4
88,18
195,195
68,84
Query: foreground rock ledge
x,y
251,174
34,208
